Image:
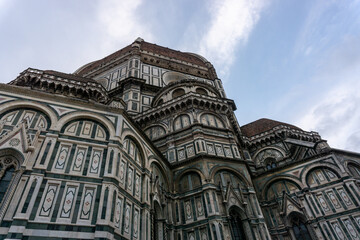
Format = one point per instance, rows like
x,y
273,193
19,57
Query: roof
x,y
148,47
167,52
69,76
263,125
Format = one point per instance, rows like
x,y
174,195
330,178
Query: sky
x,y
288,60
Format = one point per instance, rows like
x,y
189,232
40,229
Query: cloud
x,y
122,23
231,24
335,112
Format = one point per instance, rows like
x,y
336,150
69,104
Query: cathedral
x,y
144,144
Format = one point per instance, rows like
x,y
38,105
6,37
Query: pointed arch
x,y
294,183
20,104
230,169
304,173
155,162
133,148
87,115
10,174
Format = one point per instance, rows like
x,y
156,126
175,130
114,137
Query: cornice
x,y
189,100
77,87
281,132
185,82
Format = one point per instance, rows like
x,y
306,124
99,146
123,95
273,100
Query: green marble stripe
x,y
130,159
111,159
132,222
21,196
336,215
71,158
113,206
344,229
123,216
40,148
77,203
53,155
273,217
38,199
327,232
307,202
78,130
267,216
60,227
354,191
204,204
79,139
215,202
326,185
66,177
313,204
87,160
105,201
193,208
6,224
96,204
46,151
36,117
340,199
121,190
318,205
103,163
58,201
354,223
182,208
94,130
347,190
329,201
29,196
17,117
209,231
8,127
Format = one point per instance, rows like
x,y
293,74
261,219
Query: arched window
x,y
85,129
181,121
270,163
201,91
320,176
35,120
276,189
178,92
132,149
5,181
157,173
211,120
155,132
299,228
8,165
225,177
158,230
189,182
354,170
237,229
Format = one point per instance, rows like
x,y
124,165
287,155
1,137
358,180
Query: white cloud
x,y
122,24
337,116
335,113
231,23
